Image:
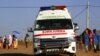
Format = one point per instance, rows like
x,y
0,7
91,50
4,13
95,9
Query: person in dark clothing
x,y
99,43
95,40
6,43
26,42
13,40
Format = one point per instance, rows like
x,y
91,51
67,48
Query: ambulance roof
x,y
53,12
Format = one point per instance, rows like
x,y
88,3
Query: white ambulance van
x,y
54,31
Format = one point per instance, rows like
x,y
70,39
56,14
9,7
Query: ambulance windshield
x,y
53,24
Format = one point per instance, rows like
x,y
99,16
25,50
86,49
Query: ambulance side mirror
x,y
76,27
30,30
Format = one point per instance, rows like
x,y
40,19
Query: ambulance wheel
x,y
37,55
72,54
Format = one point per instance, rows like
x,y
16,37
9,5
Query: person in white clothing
x,y
10,41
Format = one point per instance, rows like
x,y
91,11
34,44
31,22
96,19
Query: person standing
x,y
15,42
26,41
6,42
99,42
86,39
90,39
1,42
10,41
16,36
96,40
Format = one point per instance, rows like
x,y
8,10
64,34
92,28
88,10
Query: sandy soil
x,y
22,51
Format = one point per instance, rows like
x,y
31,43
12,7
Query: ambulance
x,y
54,31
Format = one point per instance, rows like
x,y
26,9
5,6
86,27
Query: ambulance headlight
x,y
71,39
36,43
36,40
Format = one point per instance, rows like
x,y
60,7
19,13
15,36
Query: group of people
x,y
8,41
91,40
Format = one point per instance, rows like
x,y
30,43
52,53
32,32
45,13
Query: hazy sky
x,y
20,14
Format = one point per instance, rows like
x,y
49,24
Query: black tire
x,y
38,55
72,54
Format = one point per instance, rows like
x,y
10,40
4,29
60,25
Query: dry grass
x,y
23,51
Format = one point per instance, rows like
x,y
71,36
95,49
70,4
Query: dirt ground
x,y
23,51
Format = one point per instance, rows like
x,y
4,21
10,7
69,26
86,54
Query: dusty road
x,y
22,51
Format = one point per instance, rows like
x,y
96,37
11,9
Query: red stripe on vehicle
x,y
50,34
